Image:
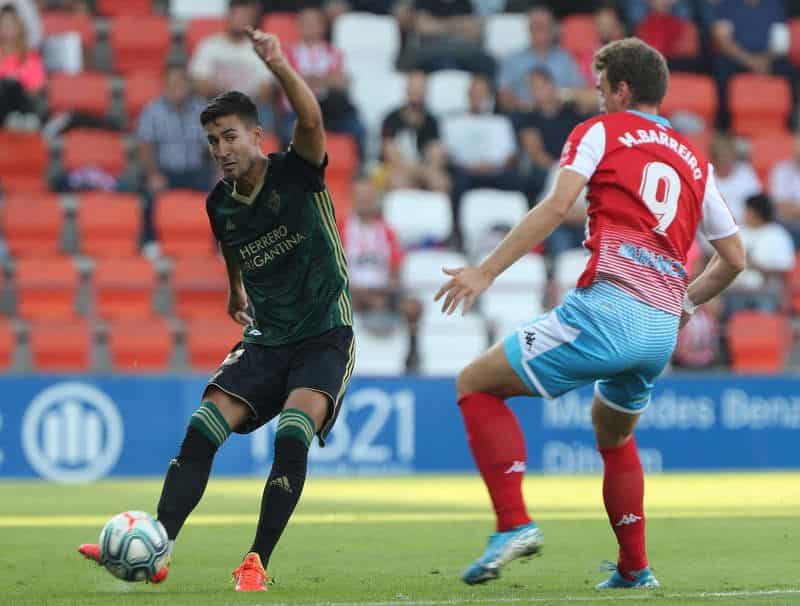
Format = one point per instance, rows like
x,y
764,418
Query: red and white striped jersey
x,y
648,191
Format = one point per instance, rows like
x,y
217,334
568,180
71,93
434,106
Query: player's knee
x,y
466,381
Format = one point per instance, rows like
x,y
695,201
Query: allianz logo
x,y
72,432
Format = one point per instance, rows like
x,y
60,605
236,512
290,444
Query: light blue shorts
x,y
601,334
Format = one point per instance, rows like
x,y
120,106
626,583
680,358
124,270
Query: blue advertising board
x,y
83,428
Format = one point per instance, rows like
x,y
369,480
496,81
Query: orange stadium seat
x,y
695,93
209,341
182,224
60,345
579,35
767,150
200,288
25,169
283,25
59,22
794,44
109,224
46,287
270,143
124,288
199,28
94,147
117,8
758,341
141,87
139,43
750,114
140,345
8,343
32,224
342,165
86,92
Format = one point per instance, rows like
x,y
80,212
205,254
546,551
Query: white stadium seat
x,y
506,33
516,295
189,9
375,94
473,139
380,354
482,209
421,273
418,216
447,92
366,40
449,343
569,265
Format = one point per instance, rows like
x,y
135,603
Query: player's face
x,y
233,144
611,100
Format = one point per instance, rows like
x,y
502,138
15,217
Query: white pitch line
x,y
610,596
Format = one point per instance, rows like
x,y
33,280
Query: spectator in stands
x,y
22,73
322,67
669,33
636,11
784,184
29,15
514,92
226,61
374,257
736,179
751,36
443,35
770,258
413,154
171,144
609,22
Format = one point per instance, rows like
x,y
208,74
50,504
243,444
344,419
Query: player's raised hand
x,y
267,46
466,284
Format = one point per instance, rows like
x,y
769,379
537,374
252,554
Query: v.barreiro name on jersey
x,y
261,251
662,138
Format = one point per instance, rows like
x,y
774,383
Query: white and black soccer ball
x,y
133,546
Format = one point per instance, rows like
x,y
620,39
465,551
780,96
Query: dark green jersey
x,y
285,239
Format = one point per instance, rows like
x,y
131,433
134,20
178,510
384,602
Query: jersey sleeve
x,y
718,221
210,212
585,148
303,172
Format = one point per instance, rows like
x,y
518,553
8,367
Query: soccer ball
x,y
133,546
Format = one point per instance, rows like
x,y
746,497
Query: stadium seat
x,y
141,87
8,343
270,143
369,42
86,92
32,224
123,288
200,288
340,188
200,28
447,91
193,9
794,286
447,344
579,35
751,115
342,166
141,345
103,149
25,169
569,265
46,287
419,217
283,25
767,150
692,93
116,8
208,342
109,224
380,354
60,22
181,224
794,44
517,294
505,34
139,43
60,345
375,95
482,209
421,273
758,342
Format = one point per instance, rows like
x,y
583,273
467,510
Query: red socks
x,y
498,447
623,494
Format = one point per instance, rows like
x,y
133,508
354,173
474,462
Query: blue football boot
x,y
502,548
642,579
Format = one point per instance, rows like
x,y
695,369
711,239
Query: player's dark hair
x,y
232,103
640,65
761,204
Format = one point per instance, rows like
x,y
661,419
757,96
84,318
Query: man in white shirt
x,y
736,180
784,184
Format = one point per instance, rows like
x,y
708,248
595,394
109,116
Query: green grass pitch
x,y
713,539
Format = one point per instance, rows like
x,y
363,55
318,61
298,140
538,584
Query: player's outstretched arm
x,y
309,133
467,283
237,297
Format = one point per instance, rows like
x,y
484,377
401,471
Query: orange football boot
x,y
251,576
91,551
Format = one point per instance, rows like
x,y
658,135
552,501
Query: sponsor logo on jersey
x,y
628,519
230,225
72,432
647,258
268,247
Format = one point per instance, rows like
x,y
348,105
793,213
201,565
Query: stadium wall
x,y
83,428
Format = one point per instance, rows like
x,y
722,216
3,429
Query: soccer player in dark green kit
x,y
274,220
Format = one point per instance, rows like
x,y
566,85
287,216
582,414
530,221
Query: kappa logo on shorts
x,y
530,337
